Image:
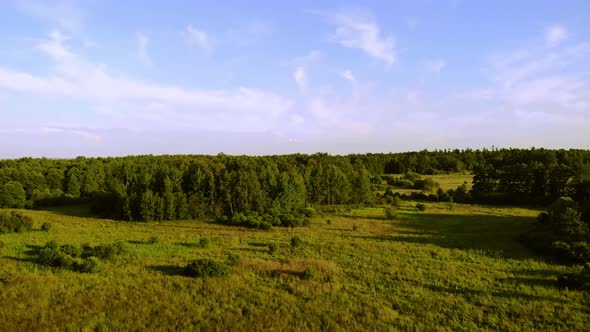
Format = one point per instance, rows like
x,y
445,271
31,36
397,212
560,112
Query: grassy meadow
x,y
457,268
446,182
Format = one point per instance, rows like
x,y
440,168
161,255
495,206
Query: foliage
x,y
421,207
90,265
390,213
153,240
233,260
46,227
14,222
578,280
296,242
12,195
205,268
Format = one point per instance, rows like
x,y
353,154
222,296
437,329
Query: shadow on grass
x,y
75,210
170,270
493,235
258,244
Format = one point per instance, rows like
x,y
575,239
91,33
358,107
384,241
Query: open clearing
x,y
442,269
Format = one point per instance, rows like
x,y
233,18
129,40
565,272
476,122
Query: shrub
x,y
106,251
205,268
390,213
296,242
203,243
233,260
51,255
46,227
396,201
71,250
308,273
153,240
90,265
329,222
421,207
355,227
14,222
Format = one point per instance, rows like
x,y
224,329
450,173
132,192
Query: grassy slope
x,y
442,269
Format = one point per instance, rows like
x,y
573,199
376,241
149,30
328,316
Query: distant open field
x,y
441,269
446,181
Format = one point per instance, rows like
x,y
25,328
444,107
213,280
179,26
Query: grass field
x,y
442,269
446,182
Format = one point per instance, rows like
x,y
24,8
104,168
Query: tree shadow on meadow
x,y
492,235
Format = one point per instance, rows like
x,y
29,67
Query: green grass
x,y
441,269
446,181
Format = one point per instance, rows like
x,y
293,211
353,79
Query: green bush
x,y
308,273
46,227
205,268
153,240
296,242
90,265
390,213
71,250
329,222
14,222
355,227
51,255
203,243
421,207
106,251
233,260
396,201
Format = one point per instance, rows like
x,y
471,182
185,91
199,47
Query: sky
x,y
111,78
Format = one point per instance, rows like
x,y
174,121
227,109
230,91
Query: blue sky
x,y
101,78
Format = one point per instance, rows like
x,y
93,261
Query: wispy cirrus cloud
x,y
142,48
199,38
300,77
362,32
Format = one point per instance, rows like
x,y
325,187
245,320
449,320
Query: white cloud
x,y
435,66
142,48
363,33
73,77
300,77
198,37
347,75
555,34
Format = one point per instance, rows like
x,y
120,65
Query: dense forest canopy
x,y
172,187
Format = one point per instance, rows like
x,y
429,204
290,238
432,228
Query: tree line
x,y
145,188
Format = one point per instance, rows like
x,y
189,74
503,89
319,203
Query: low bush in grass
x,y
203,243
272,248
390,213
205,268
85,259
46,227
421,207
153,240
233,260
296,242
14,222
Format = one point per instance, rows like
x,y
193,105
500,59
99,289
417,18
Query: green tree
x,y
12,195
